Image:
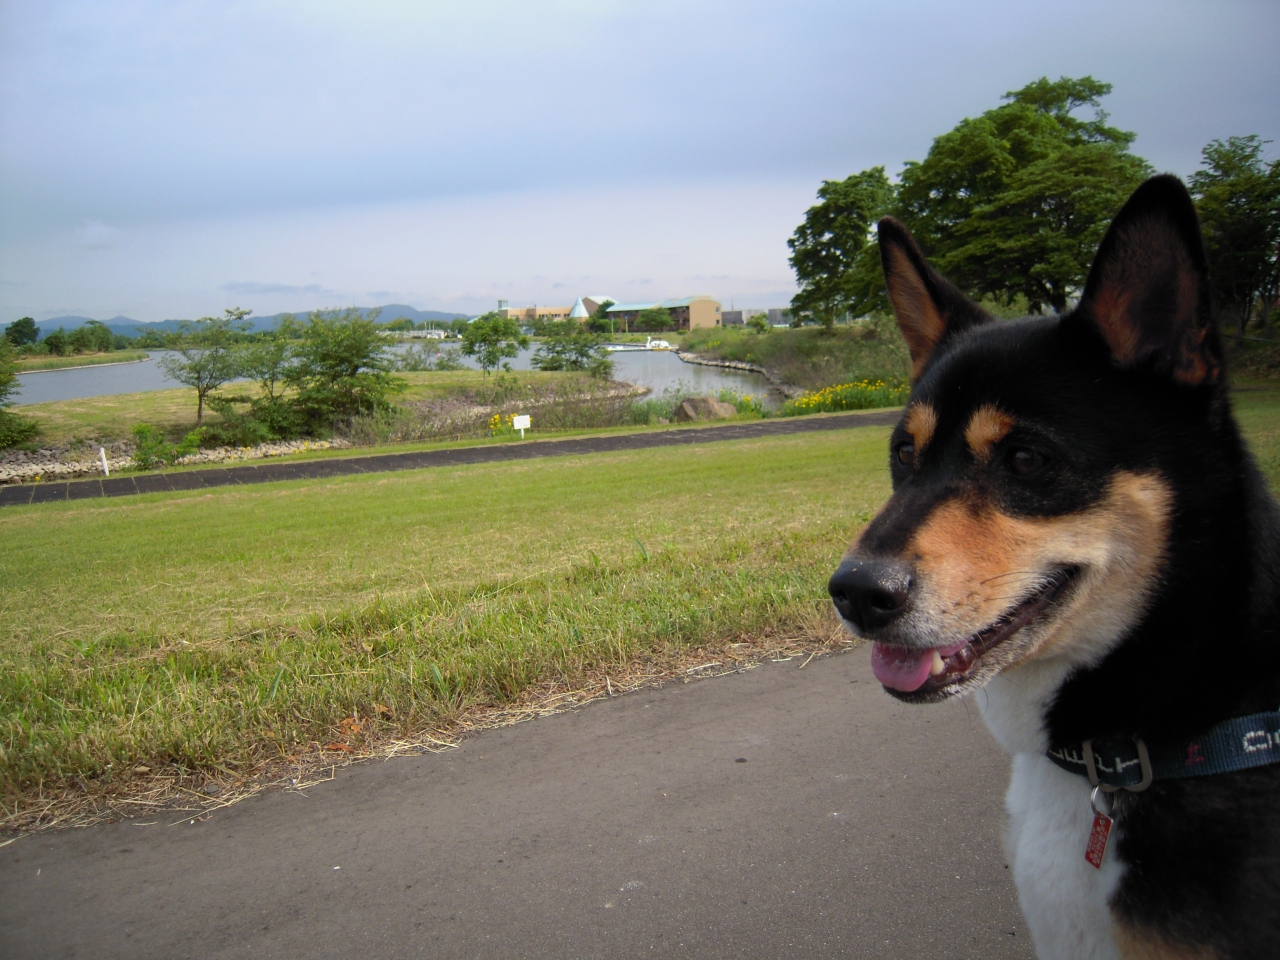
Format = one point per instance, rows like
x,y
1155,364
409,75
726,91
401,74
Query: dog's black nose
x,y
871,593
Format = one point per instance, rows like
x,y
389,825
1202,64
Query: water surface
x,y
656,369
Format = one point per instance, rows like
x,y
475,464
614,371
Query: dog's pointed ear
x,y
929,309
1148,289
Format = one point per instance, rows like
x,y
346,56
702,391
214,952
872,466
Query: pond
x,y
657,369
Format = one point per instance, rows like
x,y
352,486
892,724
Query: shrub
x,y
249,421
151,447
341,369
13,428
860,395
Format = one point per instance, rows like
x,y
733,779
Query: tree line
x,y
1011,206
93,337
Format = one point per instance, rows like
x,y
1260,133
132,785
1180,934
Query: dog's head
x,y
1034,467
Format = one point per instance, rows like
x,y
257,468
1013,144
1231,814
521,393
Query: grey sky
x,y
163,159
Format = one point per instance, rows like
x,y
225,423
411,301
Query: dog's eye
x,y
907,454
1027,463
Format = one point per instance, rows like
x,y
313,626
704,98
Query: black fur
x,y
1203,854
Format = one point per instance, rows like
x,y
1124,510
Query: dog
x,y
1079,535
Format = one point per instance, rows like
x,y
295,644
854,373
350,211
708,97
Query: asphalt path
x,y
15,494
778,812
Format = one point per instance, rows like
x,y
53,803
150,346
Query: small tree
x,y
22,332
207,355
56,342
600,321
655,318
759,323
99,336
491,338
269,358
570,347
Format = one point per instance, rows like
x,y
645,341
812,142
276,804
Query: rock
x,y
704,408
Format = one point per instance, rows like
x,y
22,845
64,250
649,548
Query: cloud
x,y
96,235
253,288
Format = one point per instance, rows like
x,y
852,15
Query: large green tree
x,y
1013,203
831,251
1238,197
22,332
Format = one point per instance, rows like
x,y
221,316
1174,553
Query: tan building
x,y
687,313
529,314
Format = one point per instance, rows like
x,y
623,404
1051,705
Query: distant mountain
x,y
128,327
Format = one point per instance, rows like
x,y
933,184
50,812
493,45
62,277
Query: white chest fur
x,y
1064,899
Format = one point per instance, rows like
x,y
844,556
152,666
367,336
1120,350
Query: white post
x,y
102,452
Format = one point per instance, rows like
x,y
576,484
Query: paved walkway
x,y
345,466
781,812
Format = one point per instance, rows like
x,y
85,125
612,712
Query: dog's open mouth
x,y
929,669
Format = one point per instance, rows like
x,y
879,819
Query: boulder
x,y
704,408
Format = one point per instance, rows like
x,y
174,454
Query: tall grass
x,y
810,357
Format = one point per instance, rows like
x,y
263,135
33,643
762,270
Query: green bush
x,y
341,368
248,421
15,430
152,448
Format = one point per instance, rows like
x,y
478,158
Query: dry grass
x,y
171,795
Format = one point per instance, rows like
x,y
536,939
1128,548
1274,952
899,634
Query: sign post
x,y
522,423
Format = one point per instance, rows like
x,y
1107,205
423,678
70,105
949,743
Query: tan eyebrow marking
x,y
987,427
920,422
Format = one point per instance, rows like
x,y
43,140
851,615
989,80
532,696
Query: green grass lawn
x,y
211,629
30,364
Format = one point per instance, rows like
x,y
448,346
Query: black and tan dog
x,y
1079,534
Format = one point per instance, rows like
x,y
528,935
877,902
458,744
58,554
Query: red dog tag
x,y
1098,837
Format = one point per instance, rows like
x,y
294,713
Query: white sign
x,y
522,423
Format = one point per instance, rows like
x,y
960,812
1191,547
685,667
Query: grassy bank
x,y
32,364
810,357
215,631
108,418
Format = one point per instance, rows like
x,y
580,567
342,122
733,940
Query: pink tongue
x,y
905,668
900,668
